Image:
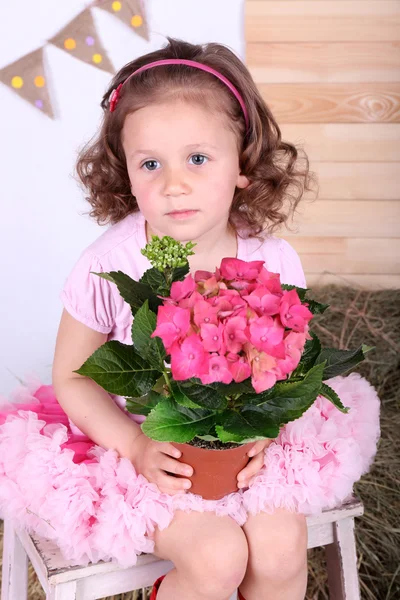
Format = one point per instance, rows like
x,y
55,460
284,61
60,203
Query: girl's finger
x,y
253,450
175,466
169,449
253,467
258,447
179,484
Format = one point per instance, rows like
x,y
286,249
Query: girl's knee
x,y
208,551
281,554
219,563
287,564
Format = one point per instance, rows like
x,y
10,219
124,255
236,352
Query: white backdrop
x,y
43,229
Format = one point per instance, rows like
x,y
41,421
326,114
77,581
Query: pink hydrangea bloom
x,y
233,324
189,359
294,314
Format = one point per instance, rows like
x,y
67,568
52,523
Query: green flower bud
x,y
167,253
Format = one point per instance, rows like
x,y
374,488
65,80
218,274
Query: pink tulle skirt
x,y
95,506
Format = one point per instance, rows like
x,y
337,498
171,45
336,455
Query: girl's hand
x,y
152,459
255,464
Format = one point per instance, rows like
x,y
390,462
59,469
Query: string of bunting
x,y
79,38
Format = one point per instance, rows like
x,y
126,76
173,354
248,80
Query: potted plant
x,y
218,360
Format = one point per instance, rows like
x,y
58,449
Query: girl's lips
x,y
182,215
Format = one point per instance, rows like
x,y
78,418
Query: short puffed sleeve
x,y
88,297
292,271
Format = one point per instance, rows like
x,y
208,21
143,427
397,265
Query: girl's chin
x,y
182,230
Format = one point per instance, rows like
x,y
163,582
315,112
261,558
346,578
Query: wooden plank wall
x,y
330,72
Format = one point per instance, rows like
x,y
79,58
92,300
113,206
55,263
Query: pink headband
x,y
181,61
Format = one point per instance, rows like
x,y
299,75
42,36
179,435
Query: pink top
x,y
97,303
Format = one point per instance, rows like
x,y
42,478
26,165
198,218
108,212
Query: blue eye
x,y
151,165
200,159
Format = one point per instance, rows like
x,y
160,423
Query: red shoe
x,y
156,585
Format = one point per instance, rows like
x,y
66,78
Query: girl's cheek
x,y
146,194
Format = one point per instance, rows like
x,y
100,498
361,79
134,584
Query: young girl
x,y
187,148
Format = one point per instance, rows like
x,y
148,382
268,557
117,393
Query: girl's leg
x,y
210,555
277,566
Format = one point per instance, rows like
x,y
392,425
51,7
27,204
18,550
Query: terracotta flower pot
x,y
215,471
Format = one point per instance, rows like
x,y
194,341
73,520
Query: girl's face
x,y
182,156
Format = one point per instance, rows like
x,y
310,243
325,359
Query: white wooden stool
x,y
333,529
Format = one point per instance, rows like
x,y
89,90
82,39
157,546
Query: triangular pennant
x,y
79,38
26,77
130,12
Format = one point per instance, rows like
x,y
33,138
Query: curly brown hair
x,y
277,181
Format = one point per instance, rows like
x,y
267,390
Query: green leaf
x,y
133,292
226,436
180,397
249,424
288,400
179,273
207,438
331,395
301,292
367,349
339,362
204,395
154,279
152,349
316,307
143,405
120,370
227,389
170,422
160,282
312,349
159,385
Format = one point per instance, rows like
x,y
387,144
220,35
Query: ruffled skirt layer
x,y
95,506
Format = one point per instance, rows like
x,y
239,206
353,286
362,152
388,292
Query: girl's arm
x,y
87,404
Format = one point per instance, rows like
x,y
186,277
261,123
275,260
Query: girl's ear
x,y
242,181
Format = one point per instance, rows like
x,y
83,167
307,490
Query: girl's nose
x,y
175,183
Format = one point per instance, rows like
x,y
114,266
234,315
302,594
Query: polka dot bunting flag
x,y
26,77
79,38
129,11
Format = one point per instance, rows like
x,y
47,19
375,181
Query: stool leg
x,y
341,560
63,591
14,585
